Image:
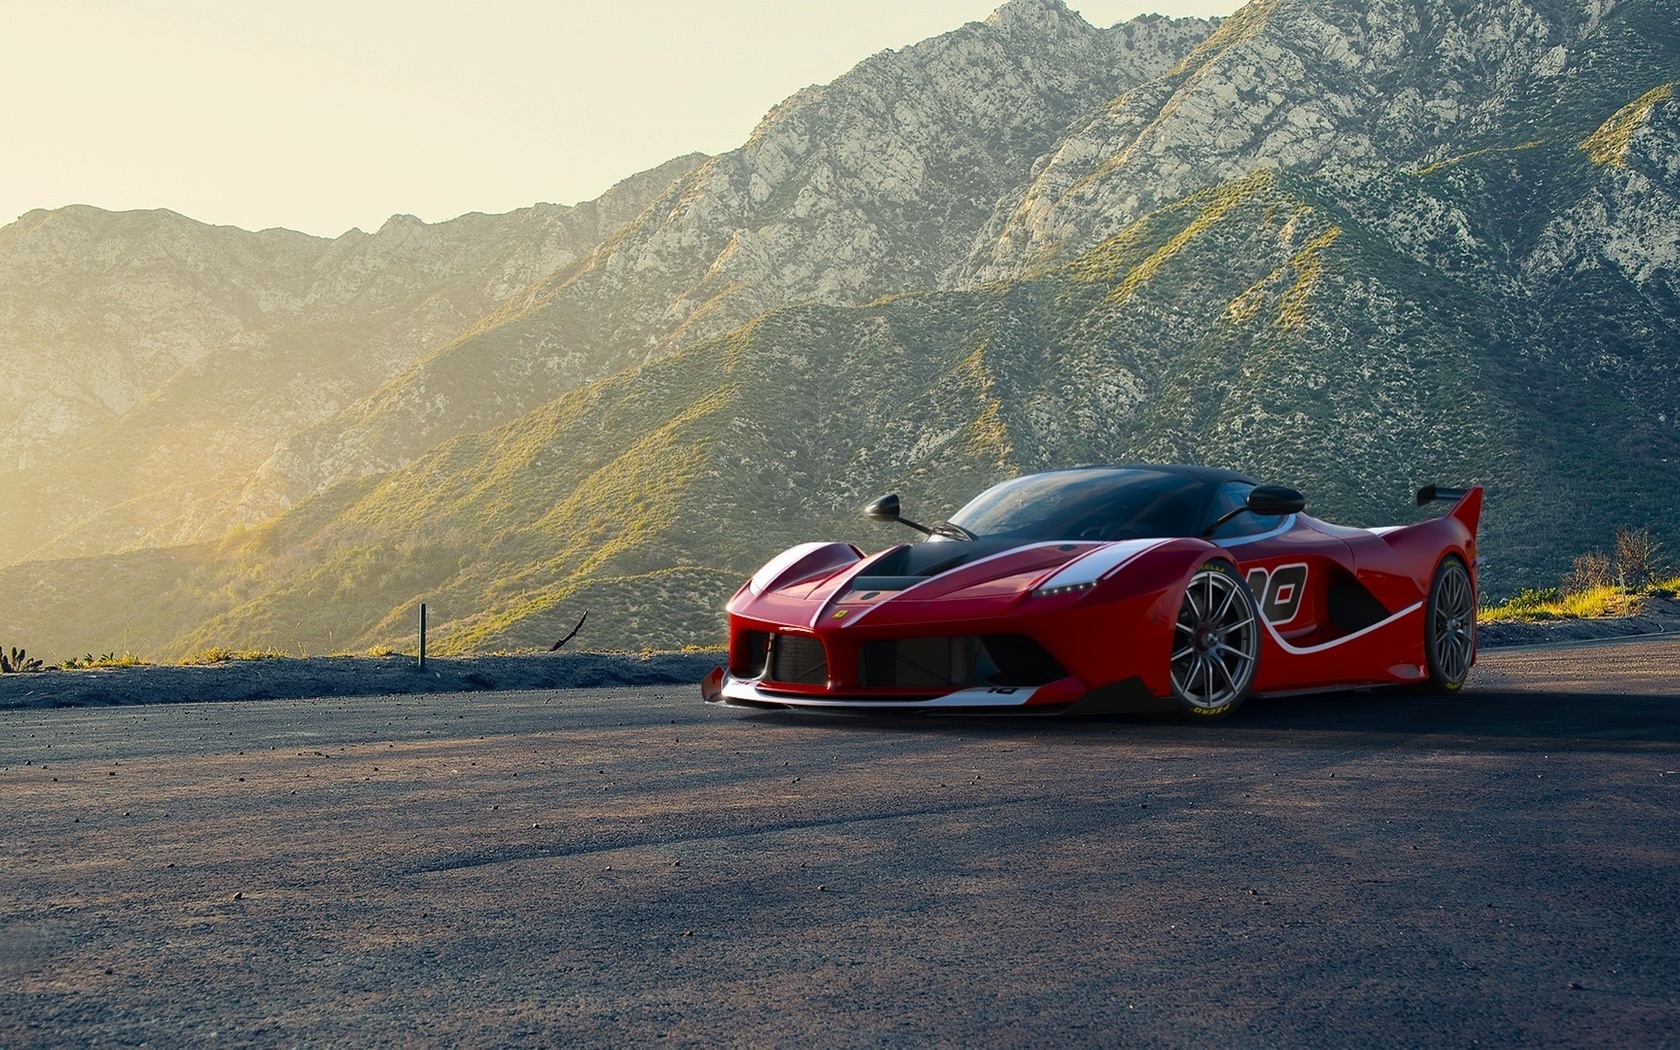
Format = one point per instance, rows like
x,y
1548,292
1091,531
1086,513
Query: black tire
x,y
1449,626
1216,643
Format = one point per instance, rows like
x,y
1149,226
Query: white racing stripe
x,y
1237,541
768,576
1322,646
1101,563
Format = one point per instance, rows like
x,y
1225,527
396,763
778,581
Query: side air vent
x,y
1352,607
797,659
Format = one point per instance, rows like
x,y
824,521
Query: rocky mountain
x,y
1305,87
153,363
1348,247
873,185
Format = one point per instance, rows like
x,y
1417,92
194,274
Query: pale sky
x,y
320,115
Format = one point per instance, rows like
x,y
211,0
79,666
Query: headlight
x,y
1065,588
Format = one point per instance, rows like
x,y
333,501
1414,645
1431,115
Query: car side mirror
x,y
1274,500
883,509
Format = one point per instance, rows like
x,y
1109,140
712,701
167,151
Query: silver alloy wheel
x,y
1452,624
1216,642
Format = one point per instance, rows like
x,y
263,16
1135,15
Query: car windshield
x,y
1096,503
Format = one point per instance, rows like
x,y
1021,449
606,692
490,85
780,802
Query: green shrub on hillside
x,y
17,661
111,659
1597,585
222,655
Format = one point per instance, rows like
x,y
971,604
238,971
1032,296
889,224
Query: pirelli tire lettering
x,y
1279,591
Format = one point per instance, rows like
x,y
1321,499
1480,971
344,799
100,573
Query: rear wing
x,y
1467,503
1440,494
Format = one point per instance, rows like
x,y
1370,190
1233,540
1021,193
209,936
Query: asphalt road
x,y
628,867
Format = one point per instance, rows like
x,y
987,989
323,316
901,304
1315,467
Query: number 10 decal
x,y
1279,591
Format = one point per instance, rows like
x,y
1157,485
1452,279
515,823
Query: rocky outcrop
x,y
1628,222
1300,86
98,310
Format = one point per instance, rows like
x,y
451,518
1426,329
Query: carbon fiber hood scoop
x,y
923,560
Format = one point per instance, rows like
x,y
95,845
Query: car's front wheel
x,y
1450,626
1216,643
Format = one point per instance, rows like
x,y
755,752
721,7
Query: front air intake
x,y
797,659
747,659
918,663
957,661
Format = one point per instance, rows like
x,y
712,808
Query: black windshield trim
x,y
1169,510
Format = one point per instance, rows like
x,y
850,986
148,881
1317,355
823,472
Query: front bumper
x,y
1063,696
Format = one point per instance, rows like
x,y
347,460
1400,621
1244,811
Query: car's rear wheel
x,y
1216,643
1449,639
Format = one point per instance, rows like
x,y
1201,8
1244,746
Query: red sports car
x,y
1108,590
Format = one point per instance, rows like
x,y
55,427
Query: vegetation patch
x,y
90,662
1608,145
16,661
1600,584
219,655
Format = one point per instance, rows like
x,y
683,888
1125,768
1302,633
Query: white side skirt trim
x,y
748,692
1303,651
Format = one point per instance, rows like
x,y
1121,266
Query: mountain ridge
x,y
338,318
795,214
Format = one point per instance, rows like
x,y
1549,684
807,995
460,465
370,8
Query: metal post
x,y
422,636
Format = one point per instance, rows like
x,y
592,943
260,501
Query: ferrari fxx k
x,y
1110,590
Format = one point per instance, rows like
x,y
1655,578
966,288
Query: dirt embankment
x,y
1657,615
346,676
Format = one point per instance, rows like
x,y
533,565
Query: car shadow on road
x,y
1634,720
1478,719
